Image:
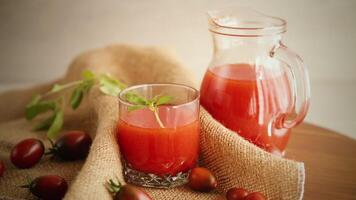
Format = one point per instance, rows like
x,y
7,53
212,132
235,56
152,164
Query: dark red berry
x,y
202,180
255,196
49,187
236,194
126,192
27,153
74,145
130,192
2,168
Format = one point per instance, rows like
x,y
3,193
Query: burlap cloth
x,y
234,161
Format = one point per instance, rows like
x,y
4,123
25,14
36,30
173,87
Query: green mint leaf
x,y
107,84
40,107
136,99
153,100
56,88
110,90
86,85
57,124
135,107
45,125
151,104
35,99
163,100
110,85
88,75
78,93
76,97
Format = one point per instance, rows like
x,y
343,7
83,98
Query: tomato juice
x,y
244,98
149,148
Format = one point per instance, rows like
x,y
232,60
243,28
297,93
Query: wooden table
x,y
330,162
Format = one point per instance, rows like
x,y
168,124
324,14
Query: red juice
x,y
245,100
148,148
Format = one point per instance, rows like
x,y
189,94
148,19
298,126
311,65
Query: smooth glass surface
x,y
254,84
156,156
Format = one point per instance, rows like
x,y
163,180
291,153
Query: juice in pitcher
x,y
254,84
246,102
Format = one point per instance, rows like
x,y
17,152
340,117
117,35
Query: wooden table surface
x,y
330,162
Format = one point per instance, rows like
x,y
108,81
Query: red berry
x,y
74,145
201,179
27,153
50,187
236,194
2,168
255,196
126,192
130,192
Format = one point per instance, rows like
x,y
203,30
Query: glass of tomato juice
x,y
158,133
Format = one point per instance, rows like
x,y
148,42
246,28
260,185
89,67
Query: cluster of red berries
x,y
203,180
74,145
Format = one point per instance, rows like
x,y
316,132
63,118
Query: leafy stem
x,y
58,88
41,103
155,112
152,104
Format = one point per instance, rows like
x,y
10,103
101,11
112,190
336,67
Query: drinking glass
x,y
158,147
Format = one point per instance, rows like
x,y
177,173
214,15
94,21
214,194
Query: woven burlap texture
x,y
233,160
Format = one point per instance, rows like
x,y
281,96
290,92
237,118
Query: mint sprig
x,y
42,103
152,104
110,85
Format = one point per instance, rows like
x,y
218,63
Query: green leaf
x,y
151,104
110,90
57,124
153,100
88,75
32,110
76,98
78,92
136,99
110,85
164,100
87,85
135,107
56,88
45,125
107,84
35,99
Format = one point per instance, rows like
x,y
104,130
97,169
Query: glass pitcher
x,y
254,84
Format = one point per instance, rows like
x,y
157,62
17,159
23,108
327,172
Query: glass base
x,y
151,180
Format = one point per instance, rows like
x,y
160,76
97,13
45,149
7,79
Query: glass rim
x,y
194,100
268,25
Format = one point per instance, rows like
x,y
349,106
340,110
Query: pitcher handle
x,y
300,87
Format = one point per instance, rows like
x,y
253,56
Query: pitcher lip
x,y
254,25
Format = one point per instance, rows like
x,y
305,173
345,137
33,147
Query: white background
x,y
38,39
